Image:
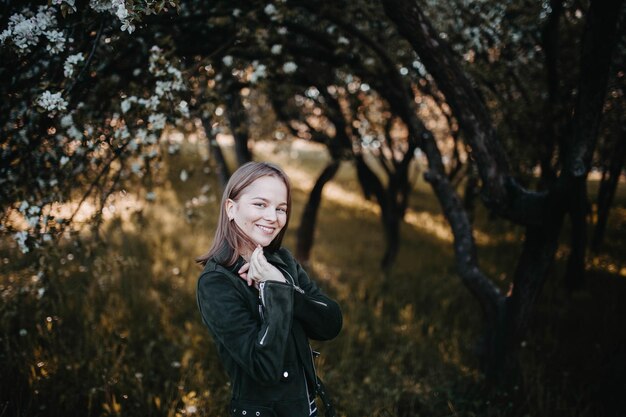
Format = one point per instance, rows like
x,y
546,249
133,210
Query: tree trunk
x,y
223,174
550,42
471,191
306,231
389,213
533,266
238,121
578,209
610,179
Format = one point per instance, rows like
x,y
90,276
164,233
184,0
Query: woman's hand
x,y
258,269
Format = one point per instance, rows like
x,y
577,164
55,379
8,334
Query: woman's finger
x,y
244,268
243,273
254,262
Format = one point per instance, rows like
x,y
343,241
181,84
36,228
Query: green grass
x,y
117,331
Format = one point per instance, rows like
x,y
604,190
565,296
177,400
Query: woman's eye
x,y
259,204
282,210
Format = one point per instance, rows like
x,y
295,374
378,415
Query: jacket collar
x,y
275,258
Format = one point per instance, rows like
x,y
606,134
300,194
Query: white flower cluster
x,y
116,8
67,123
157,121
20,238
172,80
260,71
56,41
183,108
52,101
290,67
227,60
25,30
70,62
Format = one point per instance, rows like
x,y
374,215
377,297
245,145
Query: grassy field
x,y
112,327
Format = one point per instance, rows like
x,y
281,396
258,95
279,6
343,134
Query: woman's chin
x,y
263,242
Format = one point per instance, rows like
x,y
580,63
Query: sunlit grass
x,y
113,329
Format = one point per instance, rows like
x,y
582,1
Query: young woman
x,y
259,304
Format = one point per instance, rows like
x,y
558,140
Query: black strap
x,y
329,410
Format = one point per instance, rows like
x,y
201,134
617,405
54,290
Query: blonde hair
x,y
229,238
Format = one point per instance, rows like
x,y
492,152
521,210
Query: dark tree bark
x,y
608,185
506,318
550,41
392,201
471,191
238,121
223,173
578,210
306,230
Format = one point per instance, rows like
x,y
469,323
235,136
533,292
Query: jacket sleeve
x,y
259,348
319,314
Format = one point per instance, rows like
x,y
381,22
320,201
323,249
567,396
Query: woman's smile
x,y
267,229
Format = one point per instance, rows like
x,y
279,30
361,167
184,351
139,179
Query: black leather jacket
x,y
262,335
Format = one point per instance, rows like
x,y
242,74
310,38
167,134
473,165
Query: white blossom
x,y
57,41
70,62
343,41
157,120
20,238
125,104
184,176
25,29
270,10
32,221
121,11
141,135
74,133
162,87
64,160
227,60
122,133
290,67
52,101
258,73
67,121
277,49
151,104
127,26
133,144
183,108
116,8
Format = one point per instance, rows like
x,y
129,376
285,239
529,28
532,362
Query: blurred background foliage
x,y
426,141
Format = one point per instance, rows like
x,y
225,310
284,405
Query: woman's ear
x,y
230,209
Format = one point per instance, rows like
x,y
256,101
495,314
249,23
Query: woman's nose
x,y
270,214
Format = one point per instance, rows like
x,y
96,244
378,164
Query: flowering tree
x,y
80,113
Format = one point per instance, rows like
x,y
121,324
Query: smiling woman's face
x,y
261,209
